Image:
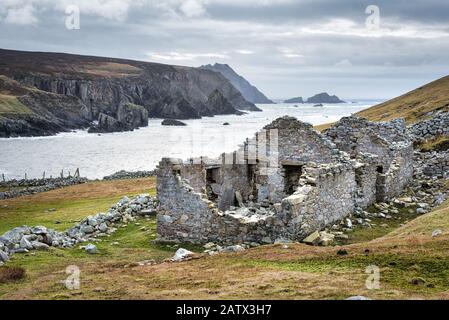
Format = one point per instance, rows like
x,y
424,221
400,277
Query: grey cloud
x,y
289,56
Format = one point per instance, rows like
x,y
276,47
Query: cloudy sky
x,y
285,47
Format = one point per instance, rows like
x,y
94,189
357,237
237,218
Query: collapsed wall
x,y
390,145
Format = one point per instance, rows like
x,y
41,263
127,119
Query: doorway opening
x,y
292,174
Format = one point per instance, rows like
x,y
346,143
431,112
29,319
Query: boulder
x,y
39,245
103,227
313,238
3,256
87,229
326,238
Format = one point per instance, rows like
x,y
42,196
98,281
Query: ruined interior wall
x,y
235,178
366,180
297,142
195,174
325,196
400,172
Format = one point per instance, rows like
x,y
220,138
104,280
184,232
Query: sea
x,y
98,155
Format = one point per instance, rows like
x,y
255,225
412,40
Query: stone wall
x,y
435,126
391,145
325,195
433,164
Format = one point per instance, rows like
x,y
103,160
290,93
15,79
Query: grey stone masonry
x,y
433,164
390,145
438,125
301,181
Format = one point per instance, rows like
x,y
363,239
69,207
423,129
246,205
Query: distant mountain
x,y
44,93
324,97
295,100
249,92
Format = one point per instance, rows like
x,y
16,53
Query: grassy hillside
x,y
414,105
267,272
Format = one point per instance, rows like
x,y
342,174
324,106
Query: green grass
x,y
11,104
380,226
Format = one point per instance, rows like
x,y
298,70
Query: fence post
x,y
43,176
26,177
3,176
62,174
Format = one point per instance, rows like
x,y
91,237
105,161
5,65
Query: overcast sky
x,y
285,47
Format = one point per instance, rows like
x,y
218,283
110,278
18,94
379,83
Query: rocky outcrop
x,y
108,124
295,100
249,92
65,91
324,97
172,122
217,101
132,115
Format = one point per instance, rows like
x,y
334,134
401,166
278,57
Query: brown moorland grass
x,y
11,274
297,271
414,105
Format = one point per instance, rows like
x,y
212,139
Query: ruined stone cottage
x,y
285,183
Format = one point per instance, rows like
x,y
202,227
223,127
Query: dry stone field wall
x,y
318,180
436,126
17,188
25,238
433,164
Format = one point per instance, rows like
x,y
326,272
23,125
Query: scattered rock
x,y
436,232
91,248
235,248
312,239
418,281
182,254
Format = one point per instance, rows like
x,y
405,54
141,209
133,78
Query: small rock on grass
x,y
182,254
91,248
358,298
436,233
418,281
